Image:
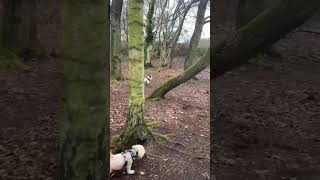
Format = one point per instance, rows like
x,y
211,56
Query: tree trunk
x,y
163,49
84,129
178,32
148,55
267,28
194,42
149,34
248,10
136,130
181,78
116,9
20,26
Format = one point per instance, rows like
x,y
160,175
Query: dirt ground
x,y
183,114
265,119
30,106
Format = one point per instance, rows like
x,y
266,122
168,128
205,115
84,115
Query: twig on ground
x,y
176,142
155,156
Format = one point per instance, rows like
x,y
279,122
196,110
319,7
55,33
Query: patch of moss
x,y
9,60
261,60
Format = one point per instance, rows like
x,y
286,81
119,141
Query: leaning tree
x,y
84,127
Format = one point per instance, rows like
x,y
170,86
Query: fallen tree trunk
x,y
182,78
264,30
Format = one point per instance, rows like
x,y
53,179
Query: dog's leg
x,y
129,164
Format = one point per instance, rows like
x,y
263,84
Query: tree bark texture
x,y
84,128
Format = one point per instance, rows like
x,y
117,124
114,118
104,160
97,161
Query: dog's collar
x,y
133,154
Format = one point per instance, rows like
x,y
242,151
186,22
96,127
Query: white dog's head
x,y
149,77
139,149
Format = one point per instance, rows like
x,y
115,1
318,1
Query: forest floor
x,y
30,106
266,116
183,114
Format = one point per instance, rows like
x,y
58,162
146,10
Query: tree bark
x,y
194,42
84,129
181,78
116,9
136,129
267,28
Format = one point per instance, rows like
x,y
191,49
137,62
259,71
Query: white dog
x,y
118,161
147,79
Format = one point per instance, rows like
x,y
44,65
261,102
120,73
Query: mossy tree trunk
x,y
248,10
194,42
136,129
19,33
181,78
149,34
116,9
84,128
264,30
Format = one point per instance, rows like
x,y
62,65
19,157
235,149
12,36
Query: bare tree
x,y
193,45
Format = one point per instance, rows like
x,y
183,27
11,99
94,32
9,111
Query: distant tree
x,y
163,33
194,42
176,36
149,34
116,9
19,25
84,128
136,130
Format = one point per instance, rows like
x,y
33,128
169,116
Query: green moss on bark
x,y
116,9
84,128
136,130
9,60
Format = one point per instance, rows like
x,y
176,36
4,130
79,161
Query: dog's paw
x,y
131,172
